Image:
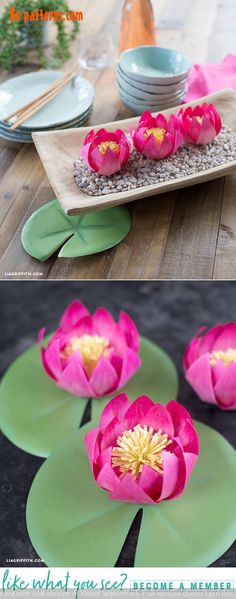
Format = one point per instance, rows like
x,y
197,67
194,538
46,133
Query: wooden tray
x,y
59,149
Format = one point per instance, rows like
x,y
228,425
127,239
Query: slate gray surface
x,y
169,313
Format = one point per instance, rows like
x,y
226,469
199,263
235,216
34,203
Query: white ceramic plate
x,y
70,104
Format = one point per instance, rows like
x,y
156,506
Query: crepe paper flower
x,y
105,152
157,137
142,452
210,365
91,356
201,124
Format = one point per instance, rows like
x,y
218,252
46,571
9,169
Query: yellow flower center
x,y
138,447
199,119
91,348
158,133
226,357
112,145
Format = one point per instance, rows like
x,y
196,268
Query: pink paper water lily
x,y
105,152
91,356
142,452
210,365
157,137
201,124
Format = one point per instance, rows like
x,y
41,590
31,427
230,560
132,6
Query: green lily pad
x,y
49,229
72,521
36,415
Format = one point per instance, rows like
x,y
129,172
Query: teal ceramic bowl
x,y
159,88
139,94
138,107
154,65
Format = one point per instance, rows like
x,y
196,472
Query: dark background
x,y
169,313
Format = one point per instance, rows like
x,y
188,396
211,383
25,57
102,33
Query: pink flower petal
x,y
192,130
159,418
191,353
188,437
137,411
178,414
129,329
74,380
104,378
227,337
107,478
103,323
128,490
208,132
84,153
158,151
208,340
199,377
118,406
43,355
151,482
90,440
225,389
116,362
172,475
73,315
83,327
217,372
131,363
111,433
52,357
104,457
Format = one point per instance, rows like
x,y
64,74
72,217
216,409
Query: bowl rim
x,y
174,94
132,81
149,78
153,99
153,107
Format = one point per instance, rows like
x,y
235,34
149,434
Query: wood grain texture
x,y
187,233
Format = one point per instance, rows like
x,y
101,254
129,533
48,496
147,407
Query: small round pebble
x,y
140,171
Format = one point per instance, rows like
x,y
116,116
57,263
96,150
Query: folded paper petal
x,y
118,406
74,380
104,378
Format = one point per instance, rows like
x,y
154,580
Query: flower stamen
x,y
139,447
227,357
112,145
158,133
91,348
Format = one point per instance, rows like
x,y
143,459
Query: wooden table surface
x,y
187,234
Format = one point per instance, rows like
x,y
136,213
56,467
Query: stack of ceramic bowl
x,y
71,108
152,78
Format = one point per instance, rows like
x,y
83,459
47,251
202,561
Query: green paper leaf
x,y
49,229
37,415
72,521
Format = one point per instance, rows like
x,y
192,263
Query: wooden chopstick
x,y
42,101
42,95
50,88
